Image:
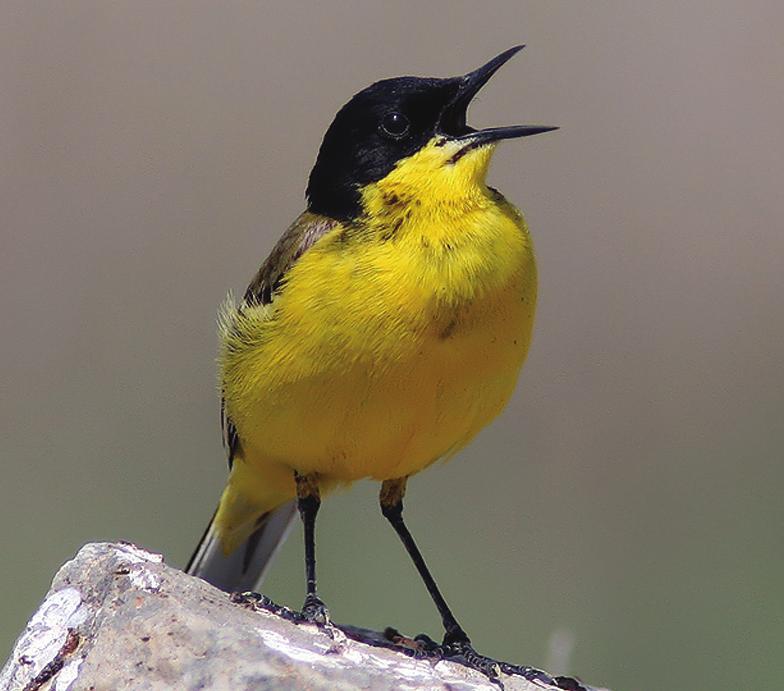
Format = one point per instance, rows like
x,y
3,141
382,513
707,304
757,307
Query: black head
x,y
389,121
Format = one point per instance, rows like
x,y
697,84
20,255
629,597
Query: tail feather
x,y
244,567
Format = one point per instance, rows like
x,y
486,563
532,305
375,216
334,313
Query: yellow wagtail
x,y
385,329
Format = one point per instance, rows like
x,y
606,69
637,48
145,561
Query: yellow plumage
x,y
393,339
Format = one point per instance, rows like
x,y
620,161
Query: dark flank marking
x,y
390,231
71,644
231,440
448,330
395,202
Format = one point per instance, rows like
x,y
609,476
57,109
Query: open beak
x,y
452,122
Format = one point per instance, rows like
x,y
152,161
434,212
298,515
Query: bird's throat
x,y
428,189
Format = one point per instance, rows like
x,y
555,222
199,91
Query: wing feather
x,y
300,236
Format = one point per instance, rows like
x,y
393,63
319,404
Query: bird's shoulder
x,y
306,230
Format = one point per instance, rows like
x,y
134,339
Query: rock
x,y
117,617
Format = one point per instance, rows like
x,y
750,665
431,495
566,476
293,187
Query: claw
x,y
465,653
315,611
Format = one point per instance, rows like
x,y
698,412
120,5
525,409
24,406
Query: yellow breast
x,y
391,345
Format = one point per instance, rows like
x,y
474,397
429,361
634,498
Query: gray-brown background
x,y
630,496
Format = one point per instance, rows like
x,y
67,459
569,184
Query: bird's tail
x,y
241,539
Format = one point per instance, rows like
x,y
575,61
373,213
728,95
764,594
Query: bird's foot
x,y
315,611
257,601
251,599
457,646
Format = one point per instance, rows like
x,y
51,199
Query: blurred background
x,y
627,504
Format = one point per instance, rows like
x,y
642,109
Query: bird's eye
x,y
395,125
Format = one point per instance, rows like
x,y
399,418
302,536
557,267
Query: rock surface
x,y
118,618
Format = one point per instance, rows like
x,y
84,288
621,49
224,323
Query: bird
x,y
385,329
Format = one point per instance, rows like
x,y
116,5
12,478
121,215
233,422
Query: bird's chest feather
x,y
391,288
386,356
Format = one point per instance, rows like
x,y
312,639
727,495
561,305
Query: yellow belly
x,y
378,361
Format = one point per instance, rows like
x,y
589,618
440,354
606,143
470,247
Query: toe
x,y
314,610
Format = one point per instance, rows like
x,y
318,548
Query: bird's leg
x,y
456,641
308,503
391,500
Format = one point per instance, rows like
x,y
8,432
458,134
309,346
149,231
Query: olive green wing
x,y
301,235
